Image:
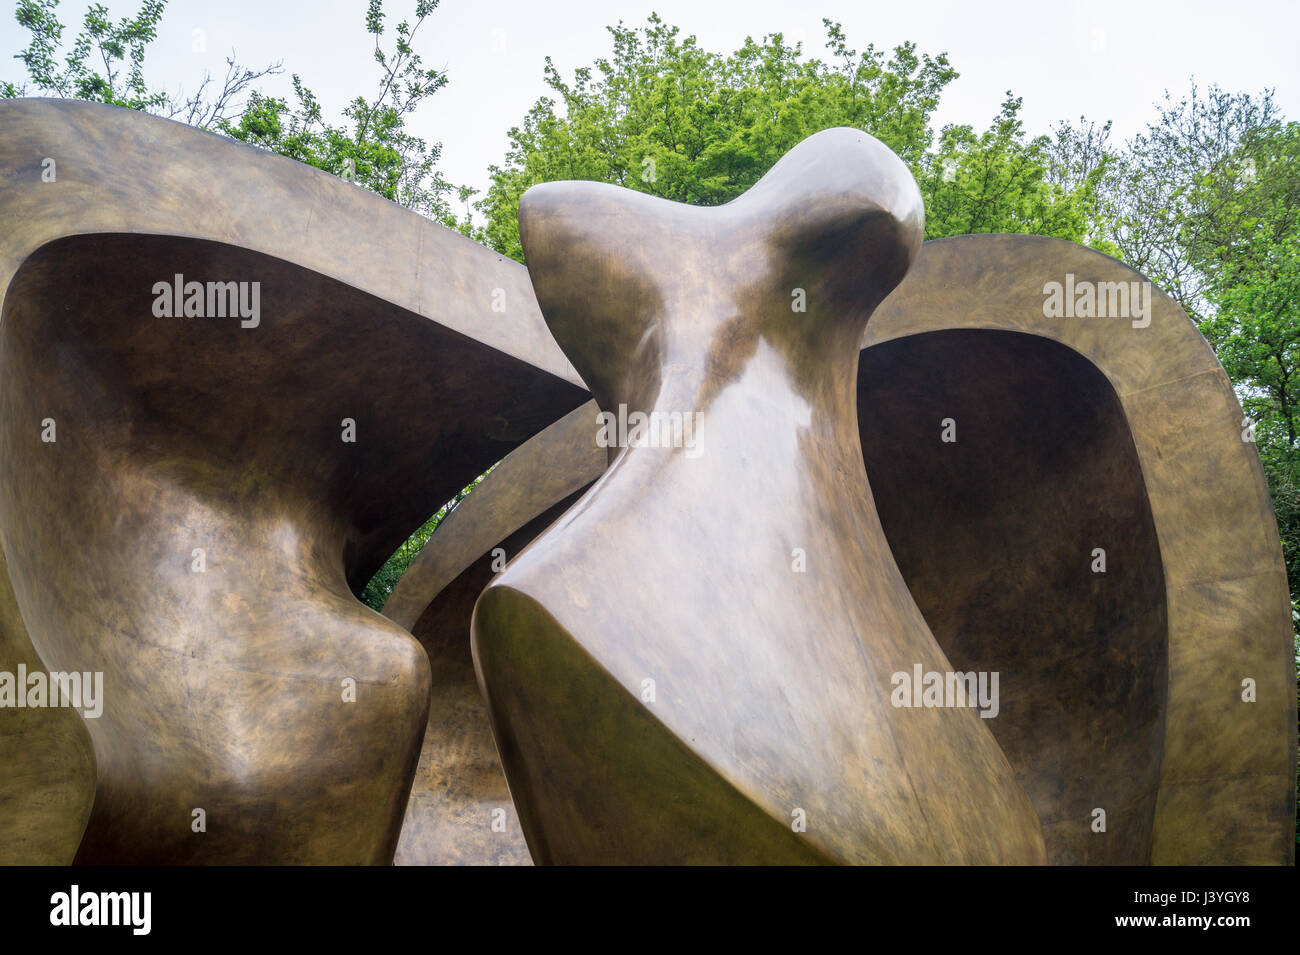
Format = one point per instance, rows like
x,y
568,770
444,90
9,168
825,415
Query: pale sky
x,y
1107,59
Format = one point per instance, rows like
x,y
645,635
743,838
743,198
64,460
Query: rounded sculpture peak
x,y
627,281
843,170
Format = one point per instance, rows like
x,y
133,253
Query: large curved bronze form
x,y
1077,433
216,489
668,682
1121,691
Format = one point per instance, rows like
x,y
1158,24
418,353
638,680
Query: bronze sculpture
x,y
222,686
213,488
770,736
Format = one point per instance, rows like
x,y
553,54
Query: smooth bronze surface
x,y
197,527
668,683
460,808
1042,449
1134,431
47,762
1121,690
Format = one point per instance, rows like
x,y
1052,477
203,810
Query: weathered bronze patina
x,y
217,486
694,664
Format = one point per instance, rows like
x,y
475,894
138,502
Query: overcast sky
x,y
1106,59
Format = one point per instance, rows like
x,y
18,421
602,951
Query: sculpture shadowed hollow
x,y
772,480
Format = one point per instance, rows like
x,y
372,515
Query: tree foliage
x,y
667,117
372,147
105,64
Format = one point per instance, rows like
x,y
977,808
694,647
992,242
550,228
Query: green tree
x,y
373,148
999,181
1171,201
105,64
666,117
1249,254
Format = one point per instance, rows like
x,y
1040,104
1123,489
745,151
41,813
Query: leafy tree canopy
x,y
667,117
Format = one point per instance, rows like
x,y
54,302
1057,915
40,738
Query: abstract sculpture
x,y
696,661
772,692
213,489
